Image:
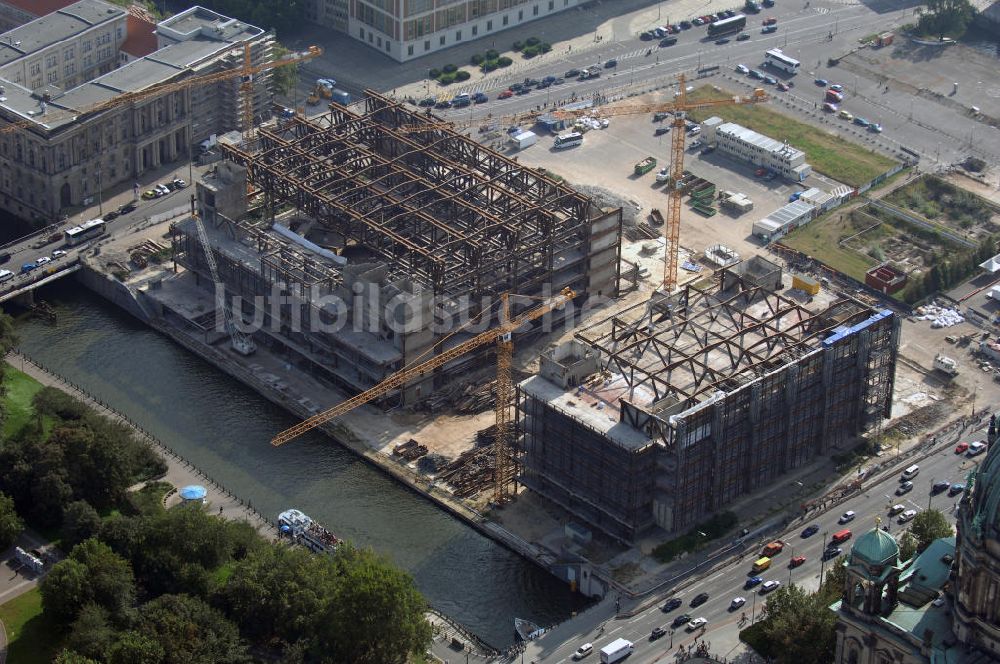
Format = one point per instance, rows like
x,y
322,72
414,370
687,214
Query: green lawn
x,y
835,157
821,240
31,639
20,389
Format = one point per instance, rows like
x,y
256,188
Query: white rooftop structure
x,y
991,265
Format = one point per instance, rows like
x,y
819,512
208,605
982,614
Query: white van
x,y
583,651
911,472
5,275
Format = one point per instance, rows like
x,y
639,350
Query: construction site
x,y
369,242
672,409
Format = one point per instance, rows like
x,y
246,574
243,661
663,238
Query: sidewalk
x,y
179,473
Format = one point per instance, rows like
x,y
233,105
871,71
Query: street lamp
x,y
822,561
753,608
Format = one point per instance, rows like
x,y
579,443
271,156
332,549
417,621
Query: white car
x,y
697,623
977,447
162,189
847,516
743,69
605,123
58,253
769,586
896,509
939,602
42,261
737,603
663,175
907,516
583,651
179,183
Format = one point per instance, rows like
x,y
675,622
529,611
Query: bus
x,y
88,230
775,58
761,564
569,140
727,25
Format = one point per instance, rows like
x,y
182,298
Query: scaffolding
x,y
731,383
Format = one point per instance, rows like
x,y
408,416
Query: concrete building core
x,y
410,236
672,409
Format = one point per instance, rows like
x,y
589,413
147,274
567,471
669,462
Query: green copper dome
x,y
986,494
876,547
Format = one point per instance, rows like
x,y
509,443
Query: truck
x,y
645,166
655,217
523,139
616,651
884,39
946,365
342,97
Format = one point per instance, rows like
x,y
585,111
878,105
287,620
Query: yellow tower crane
x,y
504,469
246,71
679,107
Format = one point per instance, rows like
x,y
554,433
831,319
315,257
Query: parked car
x,y
938,487
663,174
179,183
846,115
583,651
708,149
698,21
647,36
544,84
743,36
426,101
163,189
782,86
836,87
896,509
830,107
847,516
572,73
770,80
721,41
743,69
149,193
875,128
668,41
796,561
768,29
43,260
737,603
444,103
4,257
756,74
904,488
128,207
976,448
821,82
506,94
769,586
672,603
699,599
685,25
27,267
58,253
681,619
907,516
662,129
810,531
611,64
110,216
480,98
956,489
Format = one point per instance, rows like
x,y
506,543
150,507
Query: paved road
x,y
938,133
724,585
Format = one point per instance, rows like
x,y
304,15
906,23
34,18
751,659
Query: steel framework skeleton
x,y
436,206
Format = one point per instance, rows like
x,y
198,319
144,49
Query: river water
x,y
224,427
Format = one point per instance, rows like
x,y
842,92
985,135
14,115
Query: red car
x,y
961,448
782,86
796,561
770,21
506,94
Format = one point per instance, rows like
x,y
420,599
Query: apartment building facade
x,y
409,29
78,142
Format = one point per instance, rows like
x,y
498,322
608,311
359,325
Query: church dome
x,y
986,494
876,547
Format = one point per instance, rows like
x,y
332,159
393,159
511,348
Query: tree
x,y
8,339
189,630
71,657
946,17
907,546
80,522
376,614
93,573
800,627
928,526
135,648
284,78
53,402
279,592
11,525
92,632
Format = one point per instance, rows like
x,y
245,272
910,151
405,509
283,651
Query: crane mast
x,y
241,342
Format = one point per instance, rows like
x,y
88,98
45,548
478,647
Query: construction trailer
x,y
422,228
669,411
